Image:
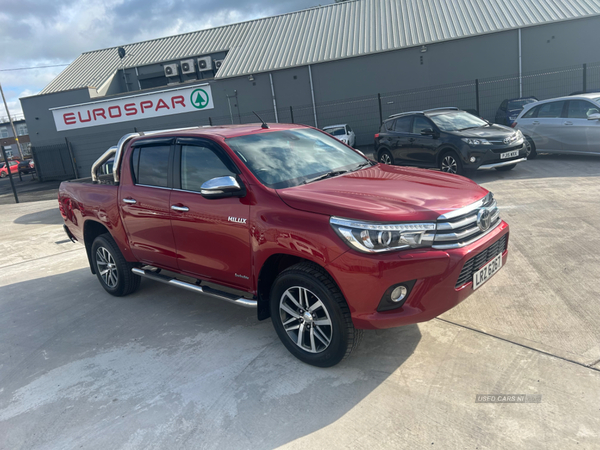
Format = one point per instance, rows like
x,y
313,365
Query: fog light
x,y
473,159
398,294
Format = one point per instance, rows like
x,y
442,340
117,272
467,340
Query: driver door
x,y
212,236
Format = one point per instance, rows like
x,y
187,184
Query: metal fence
x,y
479,96
363,114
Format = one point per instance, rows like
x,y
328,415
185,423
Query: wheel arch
x,y
381,149
443,151
271,268
91,230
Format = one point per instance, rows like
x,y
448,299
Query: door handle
x,y
180,208
568,123
411,140
130,201
535,122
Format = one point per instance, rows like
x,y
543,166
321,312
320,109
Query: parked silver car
x,y
562,125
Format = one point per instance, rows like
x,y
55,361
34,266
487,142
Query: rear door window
x,y
550,110
403,124
580,109
151,165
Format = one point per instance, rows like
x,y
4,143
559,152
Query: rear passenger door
x,y
145,203
212,235
401,141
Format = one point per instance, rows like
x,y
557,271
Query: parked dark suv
x,y
449,139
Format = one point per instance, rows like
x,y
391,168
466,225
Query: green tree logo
x,y
199,98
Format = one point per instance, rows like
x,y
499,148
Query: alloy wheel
x,y
449,164
107,267
305,319
385,158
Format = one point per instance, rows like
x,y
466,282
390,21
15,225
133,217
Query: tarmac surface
x,y
169,369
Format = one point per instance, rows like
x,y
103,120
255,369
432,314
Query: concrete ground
x,y
168,369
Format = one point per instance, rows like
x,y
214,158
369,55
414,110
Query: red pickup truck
x,y
290,221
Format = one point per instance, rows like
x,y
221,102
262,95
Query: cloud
x,y
43,32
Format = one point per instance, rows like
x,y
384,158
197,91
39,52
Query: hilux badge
x,y
236,219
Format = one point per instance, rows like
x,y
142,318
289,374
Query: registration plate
x,y
509,154
486,272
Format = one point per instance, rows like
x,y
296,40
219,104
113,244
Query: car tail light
x,y
377,136
514,124
61,207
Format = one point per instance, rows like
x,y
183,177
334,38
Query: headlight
x,y
370,237
473,142
519,134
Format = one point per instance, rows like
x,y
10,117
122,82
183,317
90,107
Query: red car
x,y
14,167
288,220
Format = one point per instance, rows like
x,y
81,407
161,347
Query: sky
x,y
37,33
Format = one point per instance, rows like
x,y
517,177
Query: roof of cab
x,y
224,131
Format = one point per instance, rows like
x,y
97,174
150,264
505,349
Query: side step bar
x,y
195,288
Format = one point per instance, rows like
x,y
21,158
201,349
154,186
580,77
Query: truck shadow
x,y
49,216
166,365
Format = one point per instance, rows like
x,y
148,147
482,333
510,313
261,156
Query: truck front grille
x,y
480,260
466,225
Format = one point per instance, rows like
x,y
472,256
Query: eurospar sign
x,y
134,107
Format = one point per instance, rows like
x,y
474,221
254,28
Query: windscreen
x,y
457,121
340,131
520,103
281,159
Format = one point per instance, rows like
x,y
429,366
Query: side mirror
x,y
595,116
427,132
222,187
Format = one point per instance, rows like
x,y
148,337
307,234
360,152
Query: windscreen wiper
x,y
360,166
333,173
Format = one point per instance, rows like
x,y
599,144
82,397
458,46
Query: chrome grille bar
x,y
461,227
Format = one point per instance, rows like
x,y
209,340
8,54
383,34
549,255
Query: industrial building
x,y
345,53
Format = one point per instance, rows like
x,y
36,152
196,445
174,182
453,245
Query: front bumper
x,y
488,157
509,162
364,279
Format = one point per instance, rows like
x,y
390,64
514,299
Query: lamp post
x,y
11,124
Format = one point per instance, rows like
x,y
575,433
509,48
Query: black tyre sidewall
x,y
339,342
103,241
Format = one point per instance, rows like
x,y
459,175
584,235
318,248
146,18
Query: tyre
x,y
531,151
113,272
385,157
506,168
311,316
450,163
3,175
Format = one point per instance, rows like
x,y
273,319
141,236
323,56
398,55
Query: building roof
x,y
326,33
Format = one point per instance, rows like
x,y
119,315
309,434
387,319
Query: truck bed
x,y
82,199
